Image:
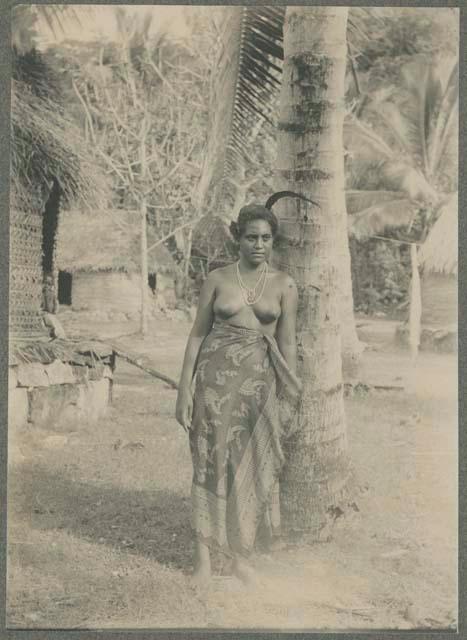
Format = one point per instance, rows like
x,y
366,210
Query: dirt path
x,y
98,517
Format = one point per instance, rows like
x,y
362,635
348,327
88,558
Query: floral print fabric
x,y
235,436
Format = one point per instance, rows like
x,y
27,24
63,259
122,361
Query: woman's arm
x,y
286,325
201,327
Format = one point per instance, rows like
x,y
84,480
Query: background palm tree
x,y
407,144
404,138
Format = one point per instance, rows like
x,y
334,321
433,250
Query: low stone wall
x,y
57,394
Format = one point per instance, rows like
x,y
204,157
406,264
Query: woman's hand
x,y
201,328
184,407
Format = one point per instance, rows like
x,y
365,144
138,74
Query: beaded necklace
x,y
249,294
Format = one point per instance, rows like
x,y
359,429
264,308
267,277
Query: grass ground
x,y
98,516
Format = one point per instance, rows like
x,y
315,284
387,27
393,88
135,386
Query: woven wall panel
x,y
25,296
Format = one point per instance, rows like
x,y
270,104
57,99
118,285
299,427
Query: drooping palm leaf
x,y
418,110
411,180
372,212
358,199
245,85
396,129
247,67
430,108
398,169
448,113
362,141
416,122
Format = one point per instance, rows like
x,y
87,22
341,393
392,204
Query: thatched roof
x,y
439,251
107,240
45,145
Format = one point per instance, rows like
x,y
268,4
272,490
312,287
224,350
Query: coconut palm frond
x,y
396,127
381,215
447,117
359,21
422,121
364,143
355,31
404,177
242,92
425,88
360,200
53,17
416,125
449,75
364,174
419,109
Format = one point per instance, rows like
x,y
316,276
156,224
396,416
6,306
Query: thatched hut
x,y
50,169
98,257
438,259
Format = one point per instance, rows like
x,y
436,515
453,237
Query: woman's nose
x,y
259,243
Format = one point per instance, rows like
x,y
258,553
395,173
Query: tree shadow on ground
x,y
147,522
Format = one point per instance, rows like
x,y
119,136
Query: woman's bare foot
x,y
244,571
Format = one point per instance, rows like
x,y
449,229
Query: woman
x,y
241,354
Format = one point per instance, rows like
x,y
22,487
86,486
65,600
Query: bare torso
x,y
229,305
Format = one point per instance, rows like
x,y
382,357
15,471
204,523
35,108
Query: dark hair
x,y
250,213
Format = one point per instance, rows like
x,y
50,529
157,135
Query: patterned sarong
x,y
242,385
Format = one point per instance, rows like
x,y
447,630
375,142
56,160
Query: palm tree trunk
x,y
317,472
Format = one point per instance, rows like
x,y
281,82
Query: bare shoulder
x,y
219,274
284,281
210,283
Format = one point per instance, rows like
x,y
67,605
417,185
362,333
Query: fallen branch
x,y
142,363
136,359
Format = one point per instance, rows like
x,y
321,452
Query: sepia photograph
x,y
233,318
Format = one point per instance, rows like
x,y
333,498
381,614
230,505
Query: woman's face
x,y
256,241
